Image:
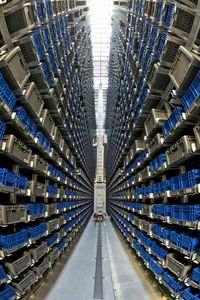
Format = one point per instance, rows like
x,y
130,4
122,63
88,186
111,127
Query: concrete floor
x,y
73,278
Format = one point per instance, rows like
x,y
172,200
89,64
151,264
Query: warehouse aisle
x,y
76,281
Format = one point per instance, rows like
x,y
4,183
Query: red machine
x,y
99,216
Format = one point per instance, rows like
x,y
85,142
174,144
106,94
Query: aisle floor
x,y
122,279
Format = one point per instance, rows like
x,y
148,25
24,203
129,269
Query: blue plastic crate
x,y
195,276
189,294
48,9
154,37
51,240
57,27
51,33
173,283
158,16
68,215
43,141
8,178
156,268
136,246
38,47
13,240
45,39
131,216
62,176
187,213
161,45
35,209
7,292
175,183
162,231
26,120
158,209
159,251
21,182
37,230
6,95
144,255
148,32
60,206
52,170
175,238
192,93
51,190
39,11
190,179
2,130
61,245
157,162
169,14
46,73
52,64
146,241
3,275
61,25
189,242
55,52
173,119
190,213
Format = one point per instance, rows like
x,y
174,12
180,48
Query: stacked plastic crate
x,y
45,175
153,189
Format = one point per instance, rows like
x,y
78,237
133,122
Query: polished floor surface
x,y
76,276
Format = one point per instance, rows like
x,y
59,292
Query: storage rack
x,y
153,150
47,163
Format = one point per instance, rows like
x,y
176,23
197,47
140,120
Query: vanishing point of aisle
x,y
100,267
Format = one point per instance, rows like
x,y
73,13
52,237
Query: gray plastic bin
x,y
52,225
57,137
14,69
184,68
47,122
29,50
39,250
154,121
155,143
18,263
197,135
180,268
20,19
51,101
55,156
146,226
24,282
145,173
11,214
32,101
51,208
37,189
182,20
158,79
137,147
172,45
39,164
63,164
61,234
182,148
17,149
53,255
63,146
40,268
146,209
151,102
39,78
